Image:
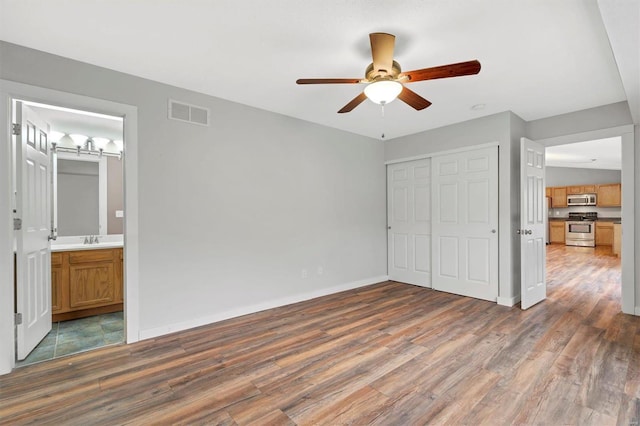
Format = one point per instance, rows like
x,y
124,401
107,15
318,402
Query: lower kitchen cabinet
x,y
85,283
604,233
556,231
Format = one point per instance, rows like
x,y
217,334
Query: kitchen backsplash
x,y
602,211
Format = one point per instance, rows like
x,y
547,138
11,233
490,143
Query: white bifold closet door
x,y
409,222
465,223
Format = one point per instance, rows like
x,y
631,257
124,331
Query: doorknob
x,y
493,231
388,227
528,231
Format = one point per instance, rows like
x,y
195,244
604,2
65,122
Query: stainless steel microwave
x,y
581,200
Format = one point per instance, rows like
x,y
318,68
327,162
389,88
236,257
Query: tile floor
x,y
70,337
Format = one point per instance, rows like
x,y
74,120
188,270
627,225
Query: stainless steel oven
x,y
580,230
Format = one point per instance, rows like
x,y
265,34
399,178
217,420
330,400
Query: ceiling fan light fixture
x,y
382,92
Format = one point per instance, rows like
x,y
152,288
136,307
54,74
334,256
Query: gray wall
x,y
115,195
564,176
230,214
603,117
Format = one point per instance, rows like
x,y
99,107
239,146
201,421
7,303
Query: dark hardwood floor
x,y
385,354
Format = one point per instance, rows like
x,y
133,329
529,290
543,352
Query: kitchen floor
x,y
74,336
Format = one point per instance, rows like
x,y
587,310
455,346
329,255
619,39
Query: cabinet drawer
x,y
56,259
87,256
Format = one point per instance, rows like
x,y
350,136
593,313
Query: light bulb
x,y
100,143
79,140
55,136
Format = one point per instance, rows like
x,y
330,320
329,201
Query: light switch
x,y
119,213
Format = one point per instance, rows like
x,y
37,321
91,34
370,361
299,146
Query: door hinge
x,y
15,129
17,224
18,318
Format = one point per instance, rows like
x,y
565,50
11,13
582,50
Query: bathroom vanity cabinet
x,y
86,283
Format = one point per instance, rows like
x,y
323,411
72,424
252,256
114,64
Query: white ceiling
x,y
596,154
91,125
539,57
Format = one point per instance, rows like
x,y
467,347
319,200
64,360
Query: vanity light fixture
x,y
100,143
81,144
79,141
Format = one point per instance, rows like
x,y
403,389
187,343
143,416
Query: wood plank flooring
x,y
384,354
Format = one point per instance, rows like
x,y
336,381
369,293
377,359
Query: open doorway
x,y
79,270
584,205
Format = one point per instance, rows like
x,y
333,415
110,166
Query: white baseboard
x,y
508,301
636,310
244,310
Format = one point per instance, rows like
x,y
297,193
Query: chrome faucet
x,y
91,239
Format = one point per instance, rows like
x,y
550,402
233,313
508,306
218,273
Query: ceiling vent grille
x,y
188,113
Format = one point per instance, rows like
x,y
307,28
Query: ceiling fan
x,y
385,79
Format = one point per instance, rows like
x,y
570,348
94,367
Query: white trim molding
x,y
508,301
251,309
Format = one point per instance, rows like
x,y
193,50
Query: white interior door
x,y
532,224
465,223
33,205
409,222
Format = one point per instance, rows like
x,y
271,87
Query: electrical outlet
x,y
303,274
320,270
119,213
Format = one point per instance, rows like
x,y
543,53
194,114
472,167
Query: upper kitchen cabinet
x,y
609,195
581,189
559,196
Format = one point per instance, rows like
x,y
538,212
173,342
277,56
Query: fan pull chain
x,y
382,121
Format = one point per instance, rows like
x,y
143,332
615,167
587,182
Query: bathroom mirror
x,y
87,195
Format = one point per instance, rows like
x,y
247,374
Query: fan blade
x,y
412,99
354,103
444,71
382,51
328,80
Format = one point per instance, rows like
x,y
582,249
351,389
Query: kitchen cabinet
x,y
559,196
617,238
547,192
604,233
581,189
85,283
556,231
609,195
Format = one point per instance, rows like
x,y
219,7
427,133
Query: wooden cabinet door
x,y
609,195
56,289
589,189
118,279
58,301
574,190
547,192
604,233
556,232
559,196
91,284
91,278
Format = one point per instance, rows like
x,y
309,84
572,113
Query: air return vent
x,y
189,113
